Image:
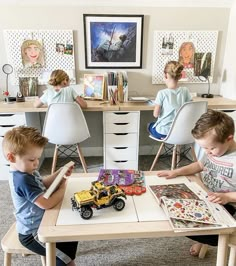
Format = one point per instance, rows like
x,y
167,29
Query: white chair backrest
x,y
184,122
65,124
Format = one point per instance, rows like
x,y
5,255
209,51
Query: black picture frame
x,y
113,41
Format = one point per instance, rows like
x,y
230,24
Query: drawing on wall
x,y
60,48
93,86
202,64
28,86
32,53
167,45
68,49
49,44
113,41
196,50
186,54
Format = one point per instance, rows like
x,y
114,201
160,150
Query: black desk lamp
x,y
205,77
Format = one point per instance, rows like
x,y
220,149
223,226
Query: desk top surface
x,y
50,232
214,103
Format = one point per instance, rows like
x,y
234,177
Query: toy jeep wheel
x,y
86,212
119,204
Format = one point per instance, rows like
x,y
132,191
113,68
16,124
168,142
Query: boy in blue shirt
x,y
23,147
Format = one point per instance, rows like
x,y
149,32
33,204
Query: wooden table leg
x,y
222,250
51,254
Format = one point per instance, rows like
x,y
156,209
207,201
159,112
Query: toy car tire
x,y
119,204
86,212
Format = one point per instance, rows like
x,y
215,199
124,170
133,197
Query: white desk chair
x,y
65,124
180,131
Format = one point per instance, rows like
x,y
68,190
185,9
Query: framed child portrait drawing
x,y
113,41
93,86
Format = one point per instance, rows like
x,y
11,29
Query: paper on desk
x,y
146,205
107,215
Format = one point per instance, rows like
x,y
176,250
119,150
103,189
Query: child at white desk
x,y
168,101
214,132
59,91
22,147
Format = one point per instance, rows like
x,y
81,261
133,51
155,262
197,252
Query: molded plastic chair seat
x,y
11,245
180,131
65,124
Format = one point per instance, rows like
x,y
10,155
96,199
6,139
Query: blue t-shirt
x,y
170,101
25,189
65,95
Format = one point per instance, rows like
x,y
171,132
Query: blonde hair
x,y
174,69
19,139
57,76
180,51
217,122
25,45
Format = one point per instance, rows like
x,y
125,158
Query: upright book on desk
x,y
57,180
187,207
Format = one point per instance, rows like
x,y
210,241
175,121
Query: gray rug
x,y
145,252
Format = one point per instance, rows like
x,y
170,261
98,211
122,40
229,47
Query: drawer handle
x,y
120,161
7,125
4,115
121,134
120,148
121,124
123,113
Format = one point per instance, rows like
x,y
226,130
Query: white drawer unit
x,y
121,139
7,122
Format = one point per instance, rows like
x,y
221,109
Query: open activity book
x,y
57,180
187,207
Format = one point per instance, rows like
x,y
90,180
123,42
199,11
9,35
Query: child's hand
x,y
168,174
63,183
220,198
69,171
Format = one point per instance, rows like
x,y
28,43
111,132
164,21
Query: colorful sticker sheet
x,y
173,191
189,209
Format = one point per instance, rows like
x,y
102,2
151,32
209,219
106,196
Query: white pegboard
x,y
53,59
204,42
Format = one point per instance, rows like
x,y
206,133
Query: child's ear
x,y
230,137
11,157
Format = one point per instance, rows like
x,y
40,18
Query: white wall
x,y
228,87
156,18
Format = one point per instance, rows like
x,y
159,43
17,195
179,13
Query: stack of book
x,y
187,207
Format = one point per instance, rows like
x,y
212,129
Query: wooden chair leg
x,y
54,161
193,153
43,260
7,259
232,256
195,158
203,251
178,151
82,158
157,156
173,163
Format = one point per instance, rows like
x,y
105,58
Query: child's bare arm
x,y
156,111
190,169
53,200
221,197
47,181
81,102
38,103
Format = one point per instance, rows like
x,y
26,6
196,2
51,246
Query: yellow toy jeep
x,y
99,196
